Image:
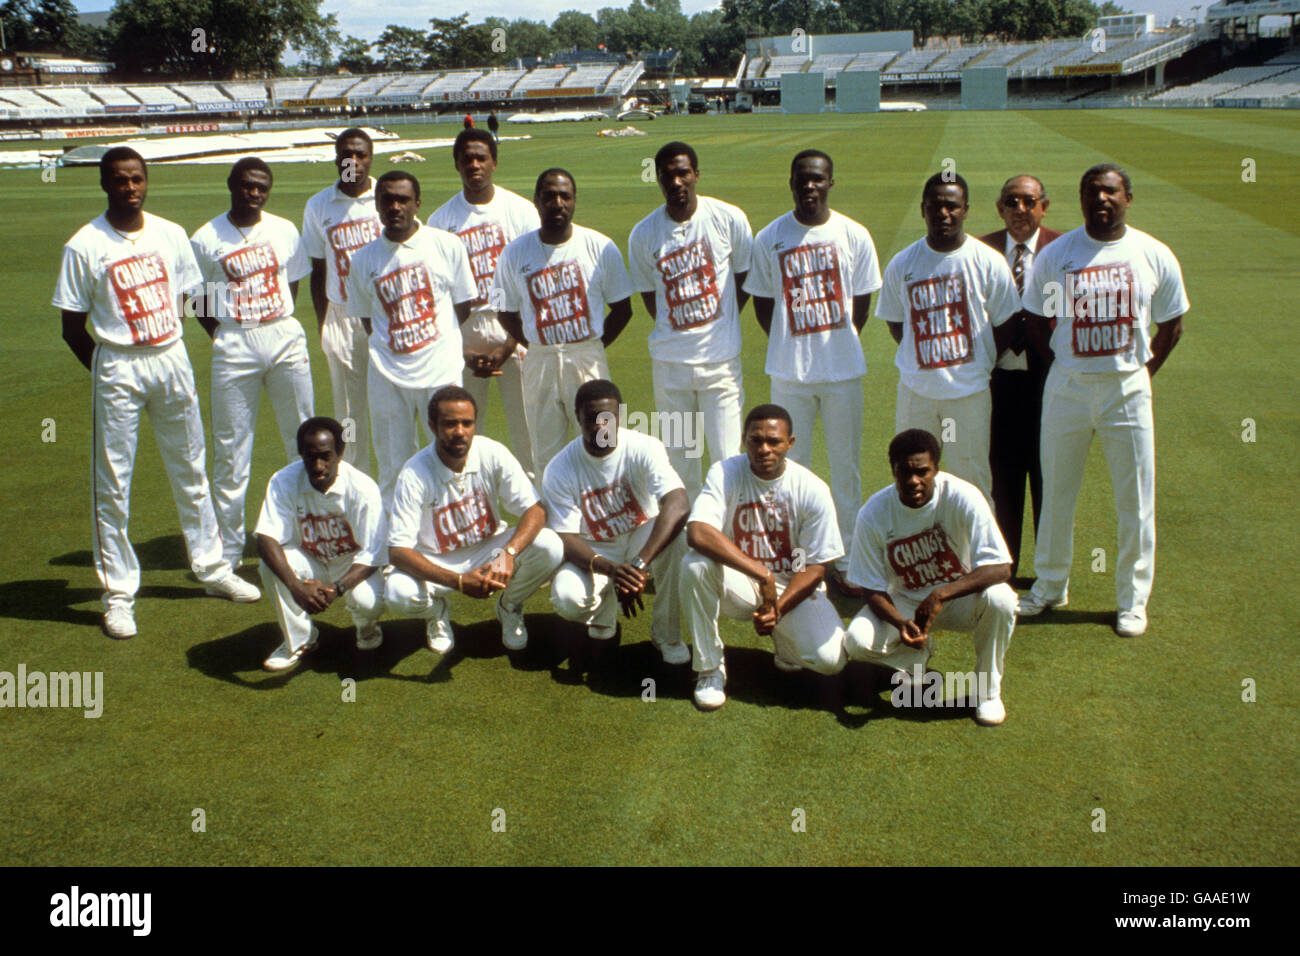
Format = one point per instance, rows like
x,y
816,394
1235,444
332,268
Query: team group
x,y
1012,352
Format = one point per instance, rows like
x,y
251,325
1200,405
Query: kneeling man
x,y
929,554
446,532
602,491
763,532
321,535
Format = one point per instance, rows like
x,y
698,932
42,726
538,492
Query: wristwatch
x,y
339,589
511,550
638,562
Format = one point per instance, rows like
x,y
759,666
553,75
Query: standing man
x,y
486,217
929,555
251,262
689,259
763,532
619,508
944,297
446,532
1104,284
813,274
338,221
493,125
1017,383
126,271
321,535
412,288
555,283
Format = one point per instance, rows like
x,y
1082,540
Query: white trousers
x,y
971,418
812,634
364,601
347,353
552,374
840,406
579,595
1117,407
533,567
990,615
480,333
714,394
126,383
399,426
244,361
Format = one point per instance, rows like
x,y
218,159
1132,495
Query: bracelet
x,y
460,585
591,565
339,589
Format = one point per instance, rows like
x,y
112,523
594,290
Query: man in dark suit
x,y
1017,383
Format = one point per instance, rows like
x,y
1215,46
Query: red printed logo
x,y
761,529
925,560
254,294
345,239
407,297
559,297
810,281
691,285
326,536
484,244
1102,299
143,292
463,522
941,324
612,511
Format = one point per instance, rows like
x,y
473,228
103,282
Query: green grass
x,y
1154,731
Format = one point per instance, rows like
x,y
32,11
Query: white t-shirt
x,y
486,230
813,273
1104,297
770,520
345,521
948,304
606,498
911,551
247,272
334,227
561,292
129,288
690,267
437,511
407,290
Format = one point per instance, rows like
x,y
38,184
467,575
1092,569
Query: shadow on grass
x,y
1067,616
51,599
165,553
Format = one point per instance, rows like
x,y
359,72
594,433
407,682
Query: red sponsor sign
x,y
345,239
407,297
612,511
761,529
941,323
559,297
1102,299
484,244
144,295
925,560
690,285
254,290
463,522
327,536
810,282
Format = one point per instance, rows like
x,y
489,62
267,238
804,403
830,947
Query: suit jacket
x,y
1020,339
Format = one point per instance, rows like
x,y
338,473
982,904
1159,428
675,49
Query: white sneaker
x,y
709,694
513,633
674,653
990,712
599,632
234,588
283,659
119,623
1131,623
369,637
1031,605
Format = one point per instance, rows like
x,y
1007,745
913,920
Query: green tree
x,y
574,29
354,55
529,38
400,48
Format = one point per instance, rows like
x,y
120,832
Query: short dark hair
x,y
1100,170
473,135
812,154
946,178
761,413
594,391
912,442
396,175
672,150
449,393
1042,190
555,171
245,163
116,155
321,424
354,132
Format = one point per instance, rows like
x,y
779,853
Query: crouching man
x,y
321,535
929,554
446,532
763,532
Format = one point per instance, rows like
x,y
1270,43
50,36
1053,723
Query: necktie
x,y
1018,266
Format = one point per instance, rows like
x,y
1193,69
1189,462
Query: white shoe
x,y
789,667
283,659
119,623
990,712
1031,605
674,653
234,588
709,694
513,633
599,632
369,637
1131,623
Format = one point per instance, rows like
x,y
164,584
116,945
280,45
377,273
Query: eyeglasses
x,y
1016,202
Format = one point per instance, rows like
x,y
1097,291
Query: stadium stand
x,y
1003,54
543,78
1229,81
202,94
456,82
156,96
955,59
369,86
589,74
913,61
785,64
329,88
497,80
624,77
75,100
1275,89
830,64
292,89
872,61
113,96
